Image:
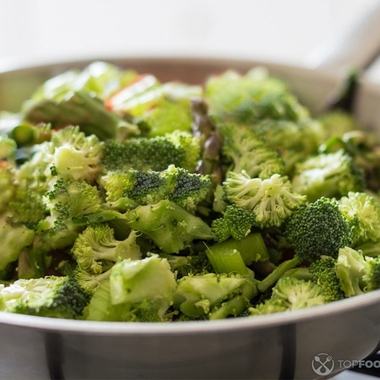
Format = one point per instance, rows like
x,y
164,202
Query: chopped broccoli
x,y
232,256
327,175
170,226
96,247
35,173
168,116
190,265
137,290
244,150
278,272
363,212
7,185
156,153
8,148
55,297
291,294
323,272
100,78
294,141
210,295
84,110
318,229
251,97
337,123
27,207
134,281
271,200
125,190
13,239
75,155
357,273
171,202
71,199
67,202
26,134
236,222
90,281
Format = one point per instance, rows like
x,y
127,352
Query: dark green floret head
x,y
318,229
324,274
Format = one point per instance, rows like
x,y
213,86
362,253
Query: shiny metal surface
x,y
278,346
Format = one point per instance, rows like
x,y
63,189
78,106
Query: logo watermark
x,y
323,364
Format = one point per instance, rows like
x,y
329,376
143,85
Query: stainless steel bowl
x,y
280,346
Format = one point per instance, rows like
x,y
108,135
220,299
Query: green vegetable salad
x,y
127,199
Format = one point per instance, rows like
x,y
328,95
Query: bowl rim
x,y
191,327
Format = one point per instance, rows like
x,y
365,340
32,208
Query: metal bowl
x,y
279,346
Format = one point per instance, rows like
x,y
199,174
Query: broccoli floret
x,y
35,173
271,200
170,226
364,148
125,190
236,222
137,291
318,229
100,78
67,202
357,273
327,175
168,116
90,281
178,148
363,212
337,123
96,248
27,206
75,155
210,296
244,150
323,272
14,238
294,141
291,294
186,189
71,199
190,265
371,276
136,281
251,97
55,297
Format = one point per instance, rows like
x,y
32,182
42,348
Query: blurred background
x,y
275,30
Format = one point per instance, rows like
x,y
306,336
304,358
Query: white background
x,y
275,30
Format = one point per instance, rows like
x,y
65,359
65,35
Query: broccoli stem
x,y
238,304
226,261
233,255
272,278
252,248
298,273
